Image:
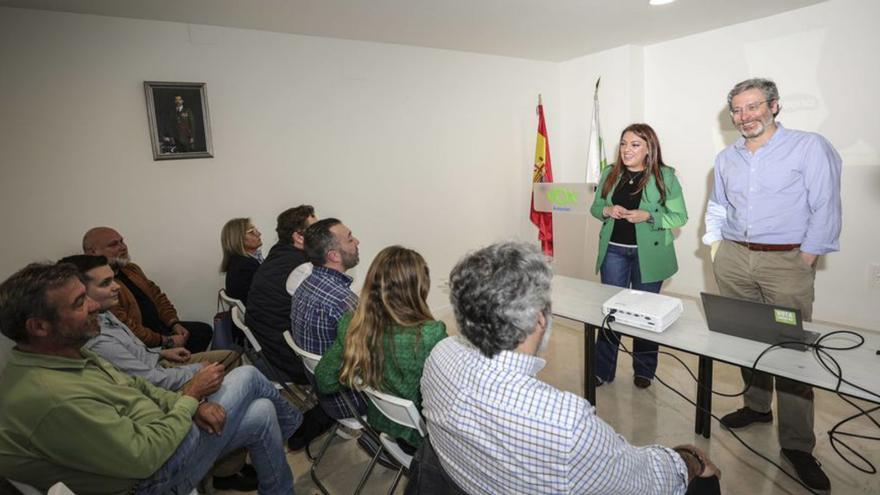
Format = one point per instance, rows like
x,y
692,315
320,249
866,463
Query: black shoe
x,y
242,481
315,423
641,382
744,417
808,469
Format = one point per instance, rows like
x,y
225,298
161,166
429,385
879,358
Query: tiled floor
x,y
653,415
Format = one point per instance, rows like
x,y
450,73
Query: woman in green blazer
x,y
639,202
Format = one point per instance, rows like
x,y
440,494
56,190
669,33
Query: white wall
x,y
427,148
824,60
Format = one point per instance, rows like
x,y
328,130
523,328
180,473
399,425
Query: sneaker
x,y
242,481
641,382
744,417
808,469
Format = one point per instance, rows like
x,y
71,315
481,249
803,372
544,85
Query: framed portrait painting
x,y
178,120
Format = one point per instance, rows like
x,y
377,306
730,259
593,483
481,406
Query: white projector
x,y
644,310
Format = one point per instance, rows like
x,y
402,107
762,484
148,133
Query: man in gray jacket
x,y
171,368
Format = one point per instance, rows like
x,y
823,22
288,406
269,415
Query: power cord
x,y
825,359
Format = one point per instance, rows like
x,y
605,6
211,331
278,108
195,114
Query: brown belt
x,y
754,246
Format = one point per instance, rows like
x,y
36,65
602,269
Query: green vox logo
x,y
783,316
562,196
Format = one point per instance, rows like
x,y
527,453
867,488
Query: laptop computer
x,y
756,321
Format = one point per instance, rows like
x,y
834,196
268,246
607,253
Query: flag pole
x,y
596,109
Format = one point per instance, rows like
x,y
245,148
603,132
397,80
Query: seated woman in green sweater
x,y
385,343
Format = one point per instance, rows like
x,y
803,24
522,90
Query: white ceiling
x,y
553,30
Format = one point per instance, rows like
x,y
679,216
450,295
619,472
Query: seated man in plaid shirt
x,y
323,297
496,428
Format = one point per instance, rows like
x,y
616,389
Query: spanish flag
x,y
542,172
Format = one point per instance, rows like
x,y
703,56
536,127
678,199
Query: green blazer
x,y
656,252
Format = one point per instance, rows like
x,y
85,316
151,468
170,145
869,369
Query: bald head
x,y
105,241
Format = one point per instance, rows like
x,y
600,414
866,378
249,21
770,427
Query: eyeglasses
x,y
751,108
252,230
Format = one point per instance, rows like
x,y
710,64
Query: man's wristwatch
x,y
167,342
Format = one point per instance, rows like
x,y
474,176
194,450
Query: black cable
x,y
819,350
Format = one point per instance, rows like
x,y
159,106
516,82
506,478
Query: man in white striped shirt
x,y
498,429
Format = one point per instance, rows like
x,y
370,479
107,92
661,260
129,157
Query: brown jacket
x,y
129,312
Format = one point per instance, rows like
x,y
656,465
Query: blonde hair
x,y
394,295
232,240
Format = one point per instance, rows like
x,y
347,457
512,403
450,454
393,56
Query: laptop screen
x,y
755,321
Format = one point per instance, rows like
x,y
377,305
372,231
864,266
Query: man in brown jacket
x,y
143,307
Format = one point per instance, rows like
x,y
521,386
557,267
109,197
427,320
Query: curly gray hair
x,y
497,293
768,87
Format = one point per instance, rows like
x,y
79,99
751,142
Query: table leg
x,y
703,423
590,363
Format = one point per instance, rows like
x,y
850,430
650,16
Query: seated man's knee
x,y
244,374
262,412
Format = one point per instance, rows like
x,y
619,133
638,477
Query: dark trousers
x,y
621,268
200,335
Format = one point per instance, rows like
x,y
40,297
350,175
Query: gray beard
x,y
118,263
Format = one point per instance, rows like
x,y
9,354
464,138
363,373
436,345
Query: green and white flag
x,y
596,160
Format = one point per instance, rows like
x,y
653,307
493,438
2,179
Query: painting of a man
x,y
179,123
183,127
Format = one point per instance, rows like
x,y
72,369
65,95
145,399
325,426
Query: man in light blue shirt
x,y
774,210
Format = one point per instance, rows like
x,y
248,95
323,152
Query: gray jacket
x,y
117,344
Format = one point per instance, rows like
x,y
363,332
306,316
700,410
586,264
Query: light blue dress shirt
x,y
786,192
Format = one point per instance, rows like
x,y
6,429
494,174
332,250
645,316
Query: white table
x,y
581,300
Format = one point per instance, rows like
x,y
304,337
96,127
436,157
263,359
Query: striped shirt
x,y
498,429
315,309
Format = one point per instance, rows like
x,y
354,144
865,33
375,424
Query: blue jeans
x,y
257,418
621,268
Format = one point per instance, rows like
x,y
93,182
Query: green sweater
x,y
406,350
84,422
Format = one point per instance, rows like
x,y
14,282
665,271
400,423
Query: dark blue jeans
x,y
621,268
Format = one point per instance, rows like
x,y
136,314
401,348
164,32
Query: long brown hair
x,y
394,295
653,162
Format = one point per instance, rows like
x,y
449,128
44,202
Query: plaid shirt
x,y
315,309
498,429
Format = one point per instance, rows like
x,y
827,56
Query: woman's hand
x,y
615,211
636,216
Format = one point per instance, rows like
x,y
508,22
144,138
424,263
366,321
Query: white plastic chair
x,y
297,277
310,361
231,302
57,489
275,378
403,412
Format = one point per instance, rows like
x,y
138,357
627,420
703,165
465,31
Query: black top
x,y
149,311
239,275
268,309
625,195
